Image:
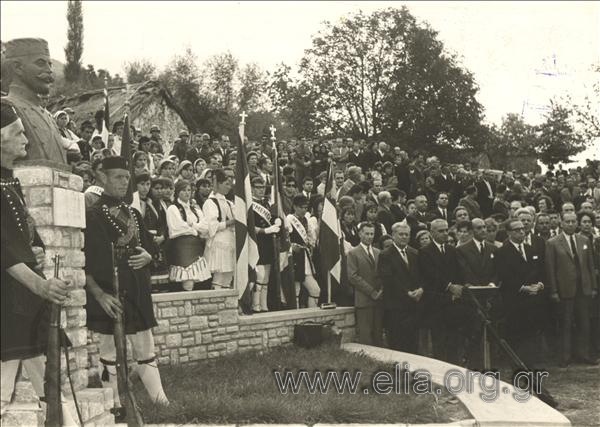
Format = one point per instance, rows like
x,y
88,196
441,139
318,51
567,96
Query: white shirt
x,y
479,245
194,225
521,252
439,246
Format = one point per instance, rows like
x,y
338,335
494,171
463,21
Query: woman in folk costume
x,y
185,171
301,237
220,250
187,231
69,139
156,221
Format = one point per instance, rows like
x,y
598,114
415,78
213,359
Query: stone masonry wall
x,y
202,325
56,203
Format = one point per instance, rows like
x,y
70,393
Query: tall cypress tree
x,y
74,48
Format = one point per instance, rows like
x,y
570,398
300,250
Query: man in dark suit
x,y
398,271
478,268
445,309
536,242
441,207
362,276
485,193
354,173
572,284
520,274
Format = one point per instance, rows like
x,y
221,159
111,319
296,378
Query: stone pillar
x,y
56,203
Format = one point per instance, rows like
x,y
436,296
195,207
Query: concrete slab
x,y
505,410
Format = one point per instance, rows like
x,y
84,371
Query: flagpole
x,y
276,246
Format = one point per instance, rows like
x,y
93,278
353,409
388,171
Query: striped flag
x,y
275,199
286,273
329,237
245,231
102,120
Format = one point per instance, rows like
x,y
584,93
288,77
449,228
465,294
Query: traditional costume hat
x,y
114,162
9,115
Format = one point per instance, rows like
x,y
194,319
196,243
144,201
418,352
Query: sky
x,y
503,44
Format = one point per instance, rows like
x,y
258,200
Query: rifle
x,y
126,397
52,381
543,394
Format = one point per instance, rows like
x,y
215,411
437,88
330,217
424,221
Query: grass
x,y
241,388
577,390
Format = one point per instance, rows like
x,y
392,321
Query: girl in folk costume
x,y
156,221
187,230
302,246
220,250
185,171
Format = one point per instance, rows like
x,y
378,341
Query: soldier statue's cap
x,y
8,114
16,48
114,162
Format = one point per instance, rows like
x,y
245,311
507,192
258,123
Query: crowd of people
x,y
449,225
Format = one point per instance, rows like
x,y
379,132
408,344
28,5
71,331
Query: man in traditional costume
x,y
302,246
25,291
112,221
266,227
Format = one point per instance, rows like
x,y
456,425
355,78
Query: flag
x,y
246,249
286,273
127,155
275,199
102,120
330,236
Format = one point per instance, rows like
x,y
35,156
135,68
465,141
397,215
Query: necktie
x,y
443,249
371,258
444,214
404,256
522,248
574,249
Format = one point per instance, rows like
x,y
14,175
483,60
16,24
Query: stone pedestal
x,y
56,203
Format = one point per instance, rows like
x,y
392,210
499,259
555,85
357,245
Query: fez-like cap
x,y
114,162
8,115
17,48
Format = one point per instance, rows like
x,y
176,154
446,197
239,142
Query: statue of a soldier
x,y
30,67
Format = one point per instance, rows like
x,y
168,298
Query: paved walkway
x,y
504,411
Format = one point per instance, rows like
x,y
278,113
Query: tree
x,y
296,103
139,71
587,110
253,88
182,78
386,75
513,138
558,139
74,48
219,81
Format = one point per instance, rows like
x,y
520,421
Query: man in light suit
x,y
572,284
398,271
362,275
